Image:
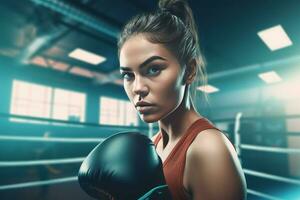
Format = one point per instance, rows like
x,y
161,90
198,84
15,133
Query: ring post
x,y
237,136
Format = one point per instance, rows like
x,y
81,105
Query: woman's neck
x,y
176,124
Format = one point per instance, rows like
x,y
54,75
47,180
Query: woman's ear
x,y
190,72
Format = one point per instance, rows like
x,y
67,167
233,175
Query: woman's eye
x,y
126,75
153,71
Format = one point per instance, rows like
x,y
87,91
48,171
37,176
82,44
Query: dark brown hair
x,y
172,25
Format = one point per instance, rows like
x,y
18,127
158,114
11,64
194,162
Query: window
x,y
117,112
30,100
35,100
68,105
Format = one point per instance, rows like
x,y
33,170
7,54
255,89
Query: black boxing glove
x,y
125,166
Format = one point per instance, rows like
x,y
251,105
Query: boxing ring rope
x,y
239,146
38,183
269,149
272,177
266,196
67,122
51,139
43,139
43,162
40,162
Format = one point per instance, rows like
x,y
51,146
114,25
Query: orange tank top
x,y
174,164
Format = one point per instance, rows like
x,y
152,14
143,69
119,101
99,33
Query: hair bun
x,y
182,10
175,7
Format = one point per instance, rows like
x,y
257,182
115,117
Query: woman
x,y
160,63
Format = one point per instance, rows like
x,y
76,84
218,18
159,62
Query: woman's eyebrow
x,y
146,62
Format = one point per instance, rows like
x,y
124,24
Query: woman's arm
x,y
213,171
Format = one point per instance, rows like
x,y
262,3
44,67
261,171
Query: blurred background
x,y
61,92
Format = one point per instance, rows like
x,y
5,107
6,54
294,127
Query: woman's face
x,y
152,76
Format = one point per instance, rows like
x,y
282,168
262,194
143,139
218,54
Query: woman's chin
x,y
149,118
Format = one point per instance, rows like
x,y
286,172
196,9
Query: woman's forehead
x,y
137,49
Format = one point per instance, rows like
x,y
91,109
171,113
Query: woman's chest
x,y
174,168
164,152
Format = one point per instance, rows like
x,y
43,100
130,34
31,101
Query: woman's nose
x,y
139,87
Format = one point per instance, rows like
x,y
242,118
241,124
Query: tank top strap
x,y
157,138
174,164
196,127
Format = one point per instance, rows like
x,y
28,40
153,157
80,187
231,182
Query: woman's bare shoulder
x,y
212,144
211,140
211,161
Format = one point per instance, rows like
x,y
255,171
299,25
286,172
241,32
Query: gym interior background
x,y
55,105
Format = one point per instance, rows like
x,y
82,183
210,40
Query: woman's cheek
x,y
169,95
127,90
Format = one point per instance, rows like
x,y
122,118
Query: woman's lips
x,y
145,109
